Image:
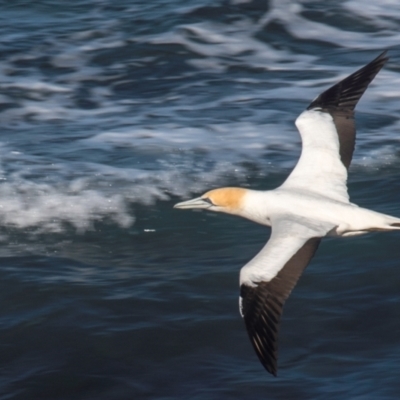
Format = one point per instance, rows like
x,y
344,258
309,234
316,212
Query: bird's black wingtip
x,y
346,93
381,59
383,54
271,367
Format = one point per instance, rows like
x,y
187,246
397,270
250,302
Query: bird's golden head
x,y
228,200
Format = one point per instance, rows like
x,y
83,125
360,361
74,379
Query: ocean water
x,y
110,113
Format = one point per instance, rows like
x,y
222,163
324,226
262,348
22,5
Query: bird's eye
x,y
208,200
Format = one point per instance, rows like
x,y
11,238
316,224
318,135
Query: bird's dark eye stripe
x,y
207,200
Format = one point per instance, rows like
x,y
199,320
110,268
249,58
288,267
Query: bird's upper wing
x,y
267,280
328,135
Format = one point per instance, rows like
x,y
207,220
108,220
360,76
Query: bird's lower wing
x,y
267,280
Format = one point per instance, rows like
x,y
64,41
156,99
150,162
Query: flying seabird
x,y
312,203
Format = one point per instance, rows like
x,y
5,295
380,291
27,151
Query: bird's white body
x,y
337,217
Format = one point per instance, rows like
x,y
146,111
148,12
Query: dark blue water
x,y
110,113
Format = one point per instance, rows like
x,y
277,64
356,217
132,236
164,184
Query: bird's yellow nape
x,y
230,198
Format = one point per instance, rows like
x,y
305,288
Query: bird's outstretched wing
x,y
267,280
328,135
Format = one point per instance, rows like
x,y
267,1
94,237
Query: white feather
x,y
319,168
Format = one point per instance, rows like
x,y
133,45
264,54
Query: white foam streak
x,y
102,193
289,14
384,14
48,208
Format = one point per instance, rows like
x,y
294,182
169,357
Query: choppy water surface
x,y
113,111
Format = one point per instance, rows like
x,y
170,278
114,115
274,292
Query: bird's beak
x,y
194,203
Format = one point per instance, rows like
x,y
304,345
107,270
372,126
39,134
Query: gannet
x,y
312,203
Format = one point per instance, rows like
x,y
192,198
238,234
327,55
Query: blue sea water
x,y
110,113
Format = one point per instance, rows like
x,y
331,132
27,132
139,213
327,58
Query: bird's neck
x,y
255,206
